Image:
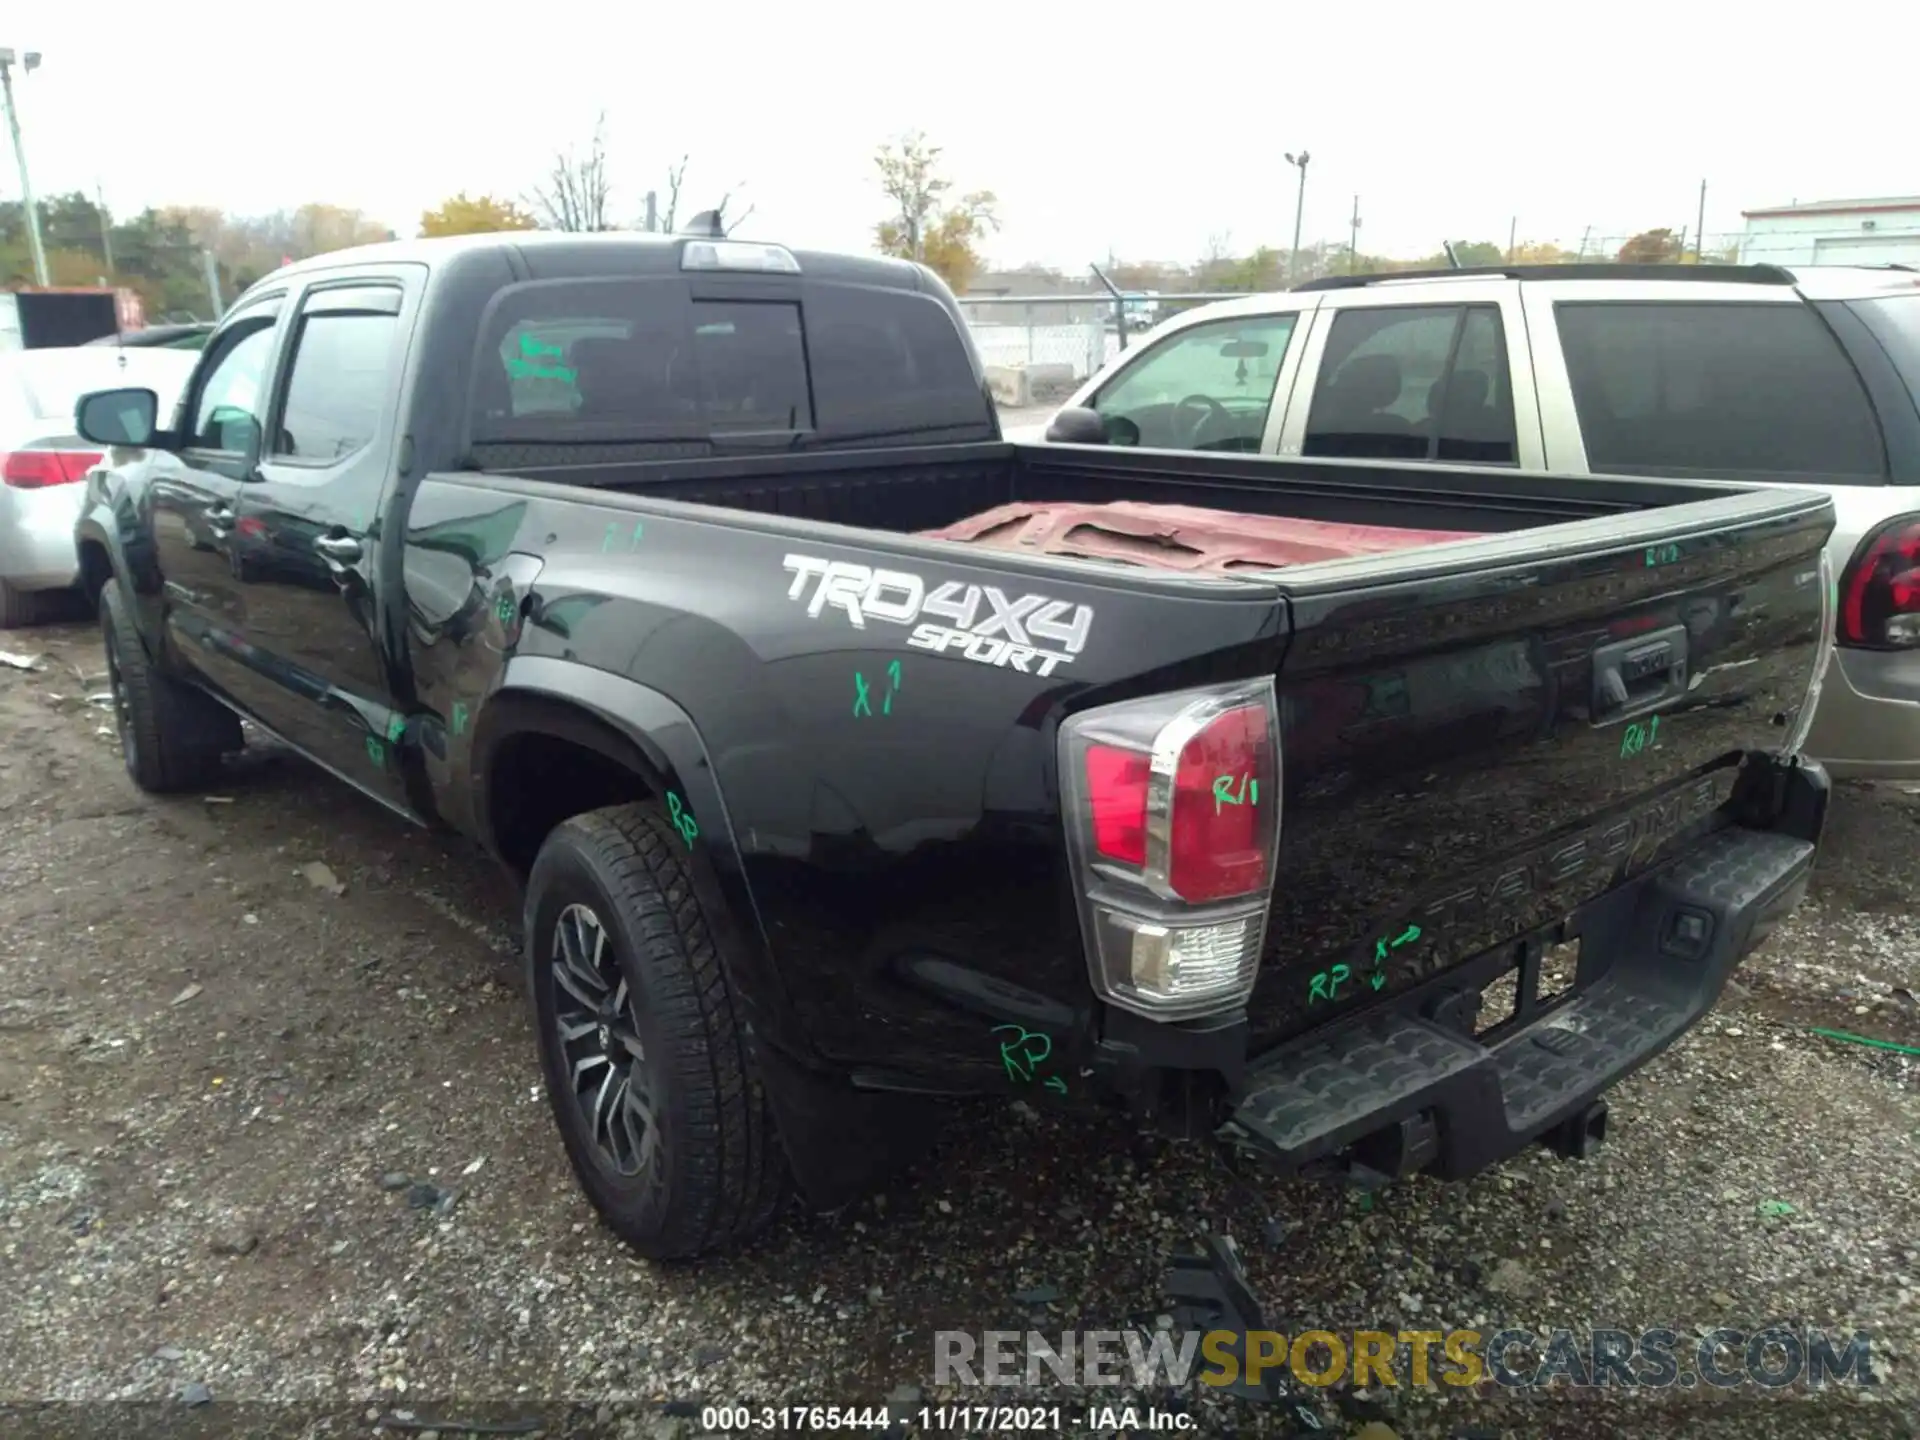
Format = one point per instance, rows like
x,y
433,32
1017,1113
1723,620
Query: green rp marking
x,y
1224,792
396,727
1635,739
376,752
459,716
680,819
860,705
1024,1052
1326,985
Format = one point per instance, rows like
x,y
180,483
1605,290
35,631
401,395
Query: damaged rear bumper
x,y
1412,1089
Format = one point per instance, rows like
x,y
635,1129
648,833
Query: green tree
x,y
942,234
476,215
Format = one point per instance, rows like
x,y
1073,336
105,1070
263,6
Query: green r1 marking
x,y
459,717
1662,555
1224,792
680,819
1634,740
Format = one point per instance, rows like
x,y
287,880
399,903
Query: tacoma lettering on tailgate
x,y
1033,634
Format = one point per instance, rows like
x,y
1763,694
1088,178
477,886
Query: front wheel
x,y
646,1062
171,735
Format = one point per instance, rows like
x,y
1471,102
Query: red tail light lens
x,y
1218,846
1173,825
38,469
1880,591
1117,794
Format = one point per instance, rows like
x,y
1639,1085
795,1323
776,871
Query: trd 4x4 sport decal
x,y
1031,633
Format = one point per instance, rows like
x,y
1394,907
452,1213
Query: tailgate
x,y
1473,751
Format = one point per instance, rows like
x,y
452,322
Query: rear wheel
x,y
171,735
647,1065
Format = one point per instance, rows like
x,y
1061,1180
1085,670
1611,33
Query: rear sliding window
x,y
643,362
1724,389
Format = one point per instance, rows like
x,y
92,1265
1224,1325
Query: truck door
x,y
308,526
1433,370
195,493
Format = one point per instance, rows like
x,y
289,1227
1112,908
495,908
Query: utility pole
x,y
213,281
1585,235
1299,162
106,226
1513,229
1353,239
1700,227
653,211
29,62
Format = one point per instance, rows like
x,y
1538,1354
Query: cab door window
x,y
1205,388
1414,382
229,404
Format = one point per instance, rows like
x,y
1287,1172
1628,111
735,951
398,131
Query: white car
x,y
42,461
1751,373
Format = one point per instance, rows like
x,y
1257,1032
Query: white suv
x,y
1751,373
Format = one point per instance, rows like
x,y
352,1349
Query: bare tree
x,y
676,183
575,195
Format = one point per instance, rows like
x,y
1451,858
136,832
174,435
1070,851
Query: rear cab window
x,y
1208,387
646,362
1717,389
1414,382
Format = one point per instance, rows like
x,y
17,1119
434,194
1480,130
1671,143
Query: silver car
x,y
1753,373
42,462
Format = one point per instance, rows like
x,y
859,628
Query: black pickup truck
x,y
854,760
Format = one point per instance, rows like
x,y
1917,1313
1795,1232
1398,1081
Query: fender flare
x,y
650,734
99,525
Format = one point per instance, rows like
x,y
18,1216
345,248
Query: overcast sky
x,y
1137,129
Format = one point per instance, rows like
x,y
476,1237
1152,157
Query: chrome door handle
x,y
343,549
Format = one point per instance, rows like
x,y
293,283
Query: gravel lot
x,y
237,1037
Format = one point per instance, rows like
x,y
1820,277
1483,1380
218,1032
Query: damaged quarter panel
x,y
870,756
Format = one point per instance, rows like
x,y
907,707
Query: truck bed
x,y
1441,729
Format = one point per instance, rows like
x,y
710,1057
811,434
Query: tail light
x,y
1880,591
38,469
1173,824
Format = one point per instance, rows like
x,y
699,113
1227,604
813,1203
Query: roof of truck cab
x,y
565,253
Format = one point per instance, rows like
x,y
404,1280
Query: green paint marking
x,y
396,727
681,819
606,541
1378,979
1407,936
1023,1054
506,607
1235,790
459,717
376,752
1056,1084
860,703
1636,739
1318,989
1662,555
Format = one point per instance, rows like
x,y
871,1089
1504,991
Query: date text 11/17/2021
x,y
944,1419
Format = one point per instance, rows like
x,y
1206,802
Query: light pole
x,y
29,63
1299,162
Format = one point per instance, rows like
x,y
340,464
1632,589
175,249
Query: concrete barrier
x,y
1034,384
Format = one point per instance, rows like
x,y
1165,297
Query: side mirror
x,y
1077,425
122,418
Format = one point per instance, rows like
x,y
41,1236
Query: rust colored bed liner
x,y
1179,537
